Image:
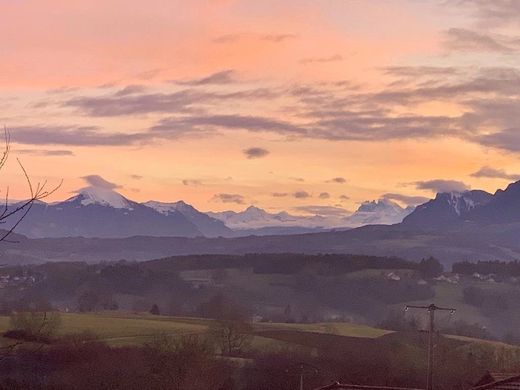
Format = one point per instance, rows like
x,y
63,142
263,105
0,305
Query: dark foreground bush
x,y
23,335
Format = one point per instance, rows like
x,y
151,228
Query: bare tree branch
x,y
20,211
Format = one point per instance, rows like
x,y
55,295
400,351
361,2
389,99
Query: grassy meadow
x,y
123,329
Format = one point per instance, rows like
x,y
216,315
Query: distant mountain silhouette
x,y
383,211
208,226
103,213
256,218
503,207
473,225
447,209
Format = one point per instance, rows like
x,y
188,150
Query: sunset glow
x,y
187,100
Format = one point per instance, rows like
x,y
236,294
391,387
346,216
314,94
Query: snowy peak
x,y
102,212
253,210
463,202
383,205
255,218
166,207
209,226
101,196
382,211
448,208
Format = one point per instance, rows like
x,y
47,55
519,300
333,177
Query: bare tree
x,y
231,336
36,325
13,216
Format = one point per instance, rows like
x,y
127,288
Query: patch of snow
x,y
104,197
254,217
168,208
461,202
161,207
383,211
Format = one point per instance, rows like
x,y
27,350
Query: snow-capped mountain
x,y
447,208
380,212
257,218
101,196
100,212
207,225
371,212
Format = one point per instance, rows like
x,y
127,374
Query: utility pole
x,y
431,311
303,368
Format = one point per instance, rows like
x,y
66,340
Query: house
x,y
337,385
498,381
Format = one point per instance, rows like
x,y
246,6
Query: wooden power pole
x,y
431,311
301,369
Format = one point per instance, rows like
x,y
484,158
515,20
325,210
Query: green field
x,y
118,329
128,329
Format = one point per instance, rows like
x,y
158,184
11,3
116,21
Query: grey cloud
x,y
459,39
279,194
205,122
298,179
148,74
275,38
117,105
218,78
409,200
495,173
323,210
380,126
421,71
493,13
228,198
191,182
136,177
501,81
324,111
228,38
311,60
131,90
489,98
344,198
440,185
61,90
301,195
43,152
507,139
256,152
324,195
338,180
98,181
74,136
183,101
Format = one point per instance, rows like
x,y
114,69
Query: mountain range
x,y
452,210
104,213
471,225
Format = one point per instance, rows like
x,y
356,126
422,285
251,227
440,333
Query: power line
x,y
301,369
431,310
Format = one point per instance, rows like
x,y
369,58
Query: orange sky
x,y
164,98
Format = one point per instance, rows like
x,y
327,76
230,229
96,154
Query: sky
x,y
287,105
